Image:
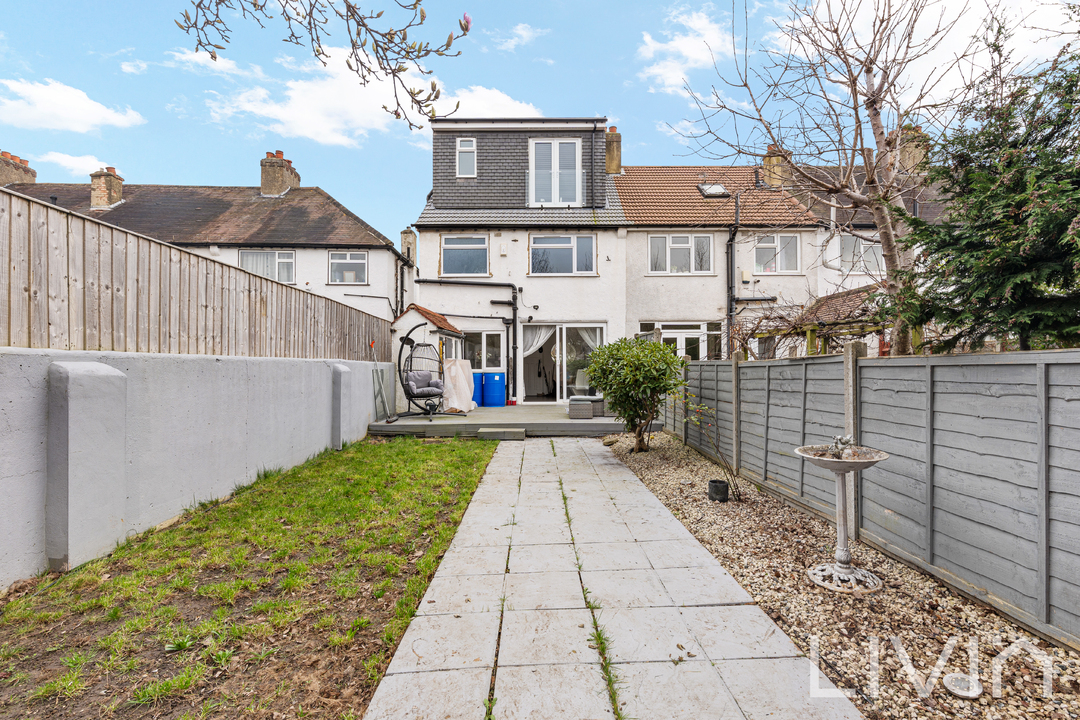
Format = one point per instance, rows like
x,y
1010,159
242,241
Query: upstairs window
x,y
555,172
777,254
860,256
466,157
273,264
562,255
464,256
348,268
680,254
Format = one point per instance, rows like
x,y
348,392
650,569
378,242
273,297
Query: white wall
x,y
197,426
688,298
312,272
598,299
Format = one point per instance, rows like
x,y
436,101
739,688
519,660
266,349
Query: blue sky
x,y
89,84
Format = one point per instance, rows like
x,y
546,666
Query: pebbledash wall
x,y
98,446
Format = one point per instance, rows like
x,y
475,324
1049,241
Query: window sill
x,y
785,272
556,275
555,206
671,275
473,275
334,284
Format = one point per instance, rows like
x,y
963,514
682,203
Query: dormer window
x,y
555,172
466,157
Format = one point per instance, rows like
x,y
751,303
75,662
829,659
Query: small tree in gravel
x,y
705,418
635,375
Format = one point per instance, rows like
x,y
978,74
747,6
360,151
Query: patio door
x,y
574,344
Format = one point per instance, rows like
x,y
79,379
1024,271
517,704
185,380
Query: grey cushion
x,y
422,384
424,392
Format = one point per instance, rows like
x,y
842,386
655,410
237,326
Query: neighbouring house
x,y
540,245
296,235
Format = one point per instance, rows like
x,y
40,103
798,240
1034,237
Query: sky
x,y
84,85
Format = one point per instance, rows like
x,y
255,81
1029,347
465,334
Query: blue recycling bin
x,y
494,389
478,389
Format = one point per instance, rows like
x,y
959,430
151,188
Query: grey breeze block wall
x,y
502,163
194,428
982,484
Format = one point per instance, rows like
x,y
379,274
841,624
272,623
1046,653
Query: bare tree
x,y
377,49
839,112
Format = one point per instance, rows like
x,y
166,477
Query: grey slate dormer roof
x,y
611,215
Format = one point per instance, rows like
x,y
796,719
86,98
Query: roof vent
x,y
711,190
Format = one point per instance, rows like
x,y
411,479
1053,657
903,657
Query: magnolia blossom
x,y
468,22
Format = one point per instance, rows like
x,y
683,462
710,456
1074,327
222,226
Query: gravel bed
x,y
767,546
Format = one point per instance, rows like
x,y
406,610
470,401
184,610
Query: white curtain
x,y
260,263
535,336
591,336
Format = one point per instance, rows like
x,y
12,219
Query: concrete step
x,y
490,433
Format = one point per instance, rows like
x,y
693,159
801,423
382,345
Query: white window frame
x,y
554,172
681,331
694,270
281,257
442,254
776,246
457,156
573,245
858,265
484,336
361,257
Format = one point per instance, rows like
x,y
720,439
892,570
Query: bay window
x,y
555,172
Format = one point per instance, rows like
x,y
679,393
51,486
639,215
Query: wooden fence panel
x,y
74,283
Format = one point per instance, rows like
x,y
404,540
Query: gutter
x,y
511,387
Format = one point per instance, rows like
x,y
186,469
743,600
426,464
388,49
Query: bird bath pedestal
x,y
841,576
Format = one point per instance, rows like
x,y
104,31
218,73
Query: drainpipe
x,y
731,277
511,387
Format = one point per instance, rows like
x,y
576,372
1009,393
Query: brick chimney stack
x,y
106,188
613,151
408,244
278,175
776,171
14,169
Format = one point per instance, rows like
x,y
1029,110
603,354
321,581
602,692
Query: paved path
x,y
509,602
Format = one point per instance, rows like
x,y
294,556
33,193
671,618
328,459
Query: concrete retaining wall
x,y
194,428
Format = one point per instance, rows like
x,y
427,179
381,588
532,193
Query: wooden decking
x,y
537,421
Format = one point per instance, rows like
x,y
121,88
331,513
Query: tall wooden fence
x,y
70,282
982,486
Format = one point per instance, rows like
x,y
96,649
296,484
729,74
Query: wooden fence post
x,y
852,352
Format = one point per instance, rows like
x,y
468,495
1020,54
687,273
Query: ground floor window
x,y
484,351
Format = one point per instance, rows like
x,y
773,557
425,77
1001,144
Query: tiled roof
x,y
609,216
843,306
199,215
669,196
432,317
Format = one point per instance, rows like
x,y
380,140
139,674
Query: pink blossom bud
x,y
468,22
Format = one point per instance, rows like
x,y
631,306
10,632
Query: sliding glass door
x,y
574,345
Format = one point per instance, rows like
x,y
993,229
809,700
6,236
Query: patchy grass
x,y
288,599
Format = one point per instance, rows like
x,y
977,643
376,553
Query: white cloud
x,y
330,106
135,67
54,106
201,62
520,34
691,46
78,165
678,132
546,61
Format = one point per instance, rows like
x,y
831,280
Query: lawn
x,y
286,600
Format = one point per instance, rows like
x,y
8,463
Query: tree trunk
x,y
639,439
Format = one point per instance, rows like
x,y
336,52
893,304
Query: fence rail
x,y
74,283
981,488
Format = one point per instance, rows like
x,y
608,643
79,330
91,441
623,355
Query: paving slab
x,y
448,695
685,640
666,691
542,558
782,689
547,637
551,692
447,642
